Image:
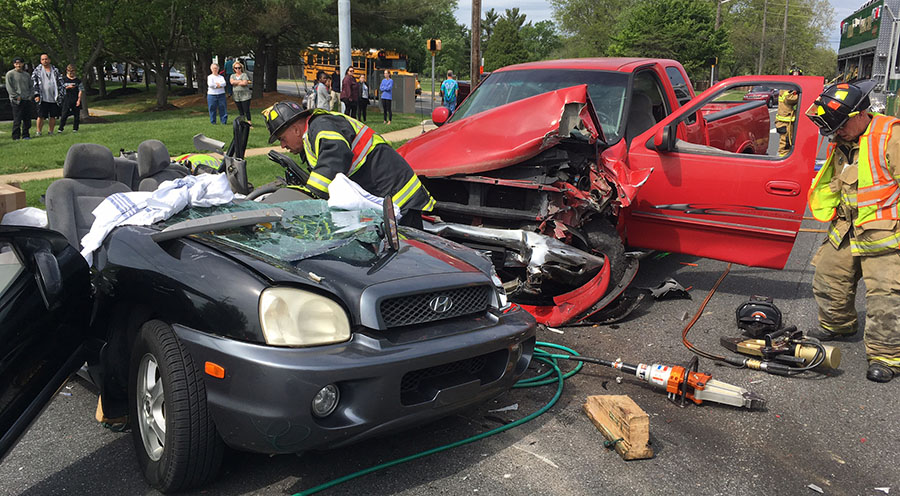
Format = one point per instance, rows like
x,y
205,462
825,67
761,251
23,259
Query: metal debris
x,y
816,488
510,408
670,288
885,490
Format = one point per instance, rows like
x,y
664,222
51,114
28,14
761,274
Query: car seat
x,y
127,172
89,176
640,115
155,166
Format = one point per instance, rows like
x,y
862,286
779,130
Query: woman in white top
x,y
215,95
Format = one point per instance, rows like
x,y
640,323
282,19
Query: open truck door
x,y
45,304
710,202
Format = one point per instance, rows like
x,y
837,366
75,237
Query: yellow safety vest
x,y
877,190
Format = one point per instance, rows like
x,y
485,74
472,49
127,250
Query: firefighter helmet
x,y
281,115
838,103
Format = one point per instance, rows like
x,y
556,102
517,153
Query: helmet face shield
x,y
827,122
837,104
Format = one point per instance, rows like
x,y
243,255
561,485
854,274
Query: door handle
x,y
783,188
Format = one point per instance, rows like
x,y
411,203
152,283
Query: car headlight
x,y
498,287
293,317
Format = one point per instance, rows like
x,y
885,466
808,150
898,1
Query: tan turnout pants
x,y
834,287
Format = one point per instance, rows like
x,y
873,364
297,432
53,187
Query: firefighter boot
x,y
879,372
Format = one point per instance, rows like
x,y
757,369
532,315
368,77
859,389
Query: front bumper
x,y
388,380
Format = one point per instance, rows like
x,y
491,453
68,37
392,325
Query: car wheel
x,y
174,436
603,238
771,102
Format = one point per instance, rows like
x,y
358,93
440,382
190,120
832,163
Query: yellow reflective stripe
x,y
430,205
407,191
834,235
869,247
329,135
785,118
848,199
318,181
890,362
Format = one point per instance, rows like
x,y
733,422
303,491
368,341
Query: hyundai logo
x,y
440,304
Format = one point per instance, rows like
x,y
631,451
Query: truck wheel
x,y
603,238
175,440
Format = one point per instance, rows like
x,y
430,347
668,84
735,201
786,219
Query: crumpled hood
x,y
504,135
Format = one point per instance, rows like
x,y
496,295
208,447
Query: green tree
x,y
540,39
491,17
70,31
455,43
506,46
808,28
683,30
588,25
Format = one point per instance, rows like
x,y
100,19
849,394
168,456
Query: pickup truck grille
x,y
437,305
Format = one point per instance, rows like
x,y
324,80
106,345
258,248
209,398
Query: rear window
x,y
607,91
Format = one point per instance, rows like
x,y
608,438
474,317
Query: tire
x,y
603,238
175,440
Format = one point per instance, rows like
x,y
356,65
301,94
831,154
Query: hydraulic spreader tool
x,y
682,383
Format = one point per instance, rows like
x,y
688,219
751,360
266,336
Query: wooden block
x,y
619,417
11,198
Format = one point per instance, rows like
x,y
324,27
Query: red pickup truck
x,y
552,167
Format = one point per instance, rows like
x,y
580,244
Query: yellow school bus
x,y
371,62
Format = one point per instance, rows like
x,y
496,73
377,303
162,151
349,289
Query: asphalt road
x,y
838,432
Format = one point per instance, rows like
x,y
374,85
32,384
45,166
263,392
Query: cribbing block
x,y
622,421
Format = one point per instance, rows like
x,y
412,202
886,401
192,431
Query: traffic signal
x,y
434,45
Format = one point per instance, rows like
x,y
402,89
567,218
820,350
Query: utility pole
x,y
718,13
475,57
344,35
762,41
783,37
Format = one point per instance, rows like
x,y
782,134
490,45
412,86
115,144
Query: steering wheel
x,y
294,174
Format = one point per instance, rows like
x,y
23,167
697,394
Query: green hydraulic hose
x,y
540,380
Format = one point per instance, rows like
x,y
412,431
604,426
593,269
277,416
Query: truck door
x,y
716,203
45,304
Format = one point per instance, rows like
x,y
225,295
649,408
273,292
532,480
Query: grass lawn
x,y
175,128
260,170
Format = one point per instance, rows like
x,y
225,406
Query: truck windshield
x,y
607,91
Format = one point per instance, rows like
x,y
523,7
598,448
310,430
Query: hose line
x,y
541,355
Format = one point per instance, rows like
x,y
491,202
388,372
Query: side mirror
x,y
440,115
49,278
664,139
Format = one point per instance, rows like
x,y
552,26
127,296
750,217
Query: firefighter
x,y
857,191
786,116
336,143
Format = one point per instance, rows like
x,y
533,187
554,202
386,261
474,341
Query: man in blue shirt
x,y
449,89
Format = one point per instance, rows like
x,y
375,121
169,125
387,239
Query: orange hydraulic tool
x,y
687,383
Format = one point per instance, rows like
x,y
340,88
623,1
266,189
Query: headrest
x,y
89,161
641,100
153,156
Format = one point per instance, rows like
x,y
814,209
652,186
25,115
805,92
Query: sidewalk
x,y
402,134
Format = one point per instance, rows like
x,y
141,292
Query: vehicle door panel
x,y
713,203
45,304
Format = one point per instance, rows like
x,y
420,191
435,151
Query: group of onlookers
x,y
46,94
330,92
233,81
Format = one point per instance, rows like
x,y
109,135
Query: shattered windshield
x,y
307,228
607,91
